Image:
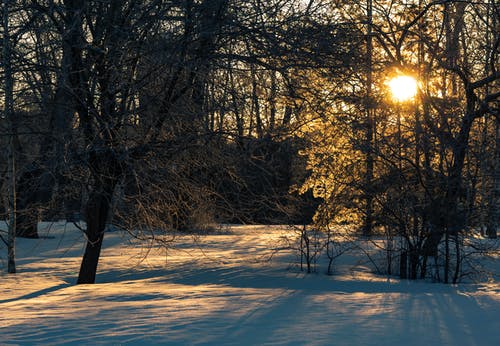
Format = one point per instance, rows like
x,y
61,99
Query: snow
x,y
226,288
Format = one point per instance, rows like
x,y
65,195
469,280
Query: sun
x,y
403,88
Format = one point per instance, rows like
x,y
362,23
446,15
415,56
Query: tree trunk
x,y
9,115
414,261
98,207
106,172
458,247
423,269
12,208
493,212
27,204
494,202
370,128
256,105
446,255
403,264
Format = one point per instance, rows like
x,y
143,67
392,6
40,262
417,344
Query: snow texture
x,y
226,288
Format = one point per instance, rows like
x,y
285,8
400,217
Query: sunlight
x,y
403,88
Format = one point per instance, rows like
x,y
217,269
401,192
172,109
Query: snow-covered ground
x,y
227,288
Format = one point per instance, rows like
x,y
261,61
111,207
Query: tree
x,y
12,147
419,160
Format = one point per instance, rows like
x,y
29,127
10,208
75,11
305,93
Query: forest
x,y
348,119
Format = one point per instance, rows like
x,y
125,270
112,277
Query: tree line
x,y
171,114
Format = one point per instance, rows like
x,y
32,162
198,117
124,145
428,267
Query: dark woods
x,y
175,115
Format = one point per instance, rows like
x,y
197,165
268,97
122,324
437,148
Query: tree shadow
x,y
246,277
37,294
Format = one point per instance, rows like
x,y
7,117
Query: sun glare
x,y
403,88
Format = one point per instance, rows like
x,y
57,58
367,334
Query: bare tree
x,y
419,160
10,199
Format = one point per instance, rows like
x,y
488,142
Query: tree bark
x,y
494,202
98,207
370,128
106,174
9,115
27,204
